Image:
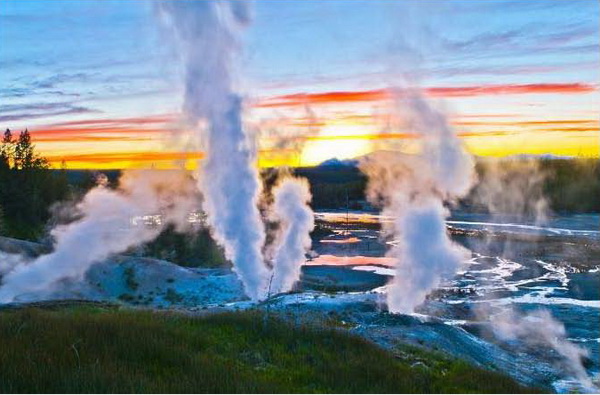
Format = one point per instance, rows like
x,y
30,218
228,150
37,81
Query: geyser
x,y
413,190
296,221
207,37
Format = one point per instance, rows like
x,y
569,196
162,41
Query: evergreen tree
x,y
6,150
1,221
27,186
25,157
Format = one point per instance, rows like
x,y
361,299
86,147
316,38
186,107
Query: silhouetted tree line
x,y
193,249
27,188
573,185
568,185
335,187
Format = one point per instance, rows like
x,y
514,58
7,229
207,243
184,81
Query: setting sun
x,y
341,139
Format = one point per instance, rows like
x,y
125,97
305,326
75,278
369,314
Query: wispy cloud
x,y
57,79
151,119
104,130
18,112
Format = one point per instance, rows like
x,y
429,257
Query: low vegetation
x,y
104,349
191,250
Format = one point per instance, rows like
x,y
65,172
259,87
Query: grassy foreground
x,y
89,349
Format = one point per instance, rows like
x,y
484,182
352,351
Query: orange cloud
x,y
486,90
94,134
486,133
86,138
378,136
572,129
158,159
326,98
529,123
109,157
302,99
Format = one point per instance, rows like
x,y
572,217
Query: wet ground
x,y
528,266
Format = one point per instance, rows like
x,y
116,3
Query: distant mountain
x,y
539,156
523,157
355,162
335,162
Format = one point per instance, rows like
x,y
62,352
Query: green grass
x,y
89,349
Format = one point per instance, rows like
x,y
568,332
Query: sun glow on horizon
x,y
341,139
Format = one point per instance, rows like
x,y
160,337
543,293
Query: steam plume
x,y
207,34
413,189
104,229
297,221
9,261
539,329
513,187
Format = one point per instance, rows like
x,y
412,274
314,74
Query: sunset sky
x,y
98,86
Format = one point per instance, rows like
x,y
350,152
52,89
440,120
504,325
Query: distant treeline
x,y
568,185
572,185
186,249
516,186
335,187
